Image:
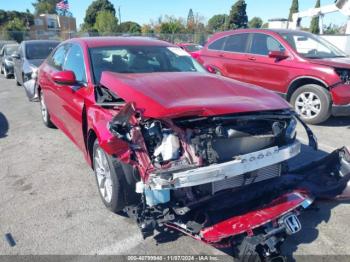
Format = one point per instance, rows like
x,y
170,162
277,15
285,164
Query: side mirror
x,y
64,78
279,55
15,56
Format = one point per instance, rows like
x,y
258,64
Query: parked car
x,y
6,60
29,57
6,42
312,74
176,147
192,49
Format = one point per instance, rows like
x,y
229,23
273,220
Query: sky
x,y
142,11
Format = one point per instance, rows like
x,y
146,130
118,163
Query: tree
x,y
332,29
93,10
217,23
15,29
315,22
45,6
255,22
238,16
7,16
190,20
293,9
106,22
129,27
147,29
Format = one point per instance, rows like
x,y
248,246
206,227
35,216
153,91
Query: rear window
x,y
218,44
39,50
236,43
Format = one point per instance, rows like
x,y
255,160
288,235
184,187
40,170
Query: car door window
x,y
262,44
58,57
236,43
75,62
217,45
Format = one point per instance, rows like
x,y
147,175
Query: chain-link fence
x,y
197,38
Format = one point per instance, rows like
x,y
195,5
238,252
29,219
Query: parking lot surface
x,y
50,204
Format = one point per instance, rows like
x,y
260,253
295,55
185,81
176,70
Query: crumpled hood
x,y
339,62
161,95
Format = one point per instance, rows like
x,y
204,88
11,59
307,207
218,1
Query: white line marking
x,y
122,246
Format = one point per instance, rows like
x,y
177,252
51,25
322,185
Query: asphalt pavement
x,y
49,201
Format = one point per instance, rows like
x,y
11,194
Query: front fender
x,y
98,122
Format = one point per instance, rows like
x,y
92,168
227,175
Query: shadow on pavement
x,y
337,122
4,125
319,213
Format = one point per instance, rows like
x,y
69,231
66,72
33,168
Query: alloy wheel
x,y
308,105
103,175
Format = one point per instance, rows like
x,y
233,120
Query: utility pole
x,y
119,14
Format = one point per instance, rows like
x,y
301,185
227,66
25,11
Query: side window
x,y
218,44
75,63
262,44
58,57
237,43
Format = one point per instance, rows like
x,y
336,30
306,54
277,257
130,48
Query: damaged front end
x,y
31,86
225,180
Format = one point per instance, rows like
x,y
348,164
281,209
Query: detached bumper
x,y
341,110
236,212
31,90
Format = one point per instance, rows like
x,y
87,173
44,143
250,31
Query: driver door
x,y
72,97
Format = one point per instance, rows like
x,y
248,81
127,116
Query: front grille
x,y
248,178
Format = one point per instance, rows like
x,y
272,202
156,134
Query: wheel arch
x,y
301,81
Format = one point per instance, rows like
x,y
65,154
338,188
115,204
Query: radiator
x,y
248,178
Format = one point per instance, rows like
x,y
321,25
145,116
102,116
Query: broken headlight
x,y
344,75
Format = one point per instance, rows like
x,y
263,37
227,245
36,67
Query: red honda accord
x,y
312,74
173,146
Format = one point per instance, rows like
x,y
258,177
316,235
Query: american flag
x,y
63,5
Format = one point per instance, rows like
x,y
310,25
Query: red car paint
x,y
168,95
254,219
277,75
186,47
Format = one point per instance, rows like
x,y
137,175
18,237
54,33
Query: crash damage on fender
x,y
216,167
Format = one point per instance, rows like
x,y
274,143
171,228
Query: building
x,y
52,26
278,23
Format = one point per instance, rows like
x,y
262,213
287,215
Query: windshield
x,y
9,50
193,48
141,59
311,46
39,50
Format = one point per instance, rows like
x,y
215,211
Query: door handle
x,y
221,55
251,58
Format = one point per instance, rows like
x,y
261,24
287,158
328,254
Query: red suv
x,y
312,74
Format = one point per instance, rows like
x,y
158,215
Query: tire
x,y
45,116
6,74
17,83
115,191
1,69
313,103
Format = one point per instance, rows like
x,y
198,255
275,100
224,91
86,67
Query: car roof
x,y
92,42
257,30
39,41
11,45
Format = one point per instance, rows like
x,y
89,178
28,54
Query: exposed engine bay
x,y
207,175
